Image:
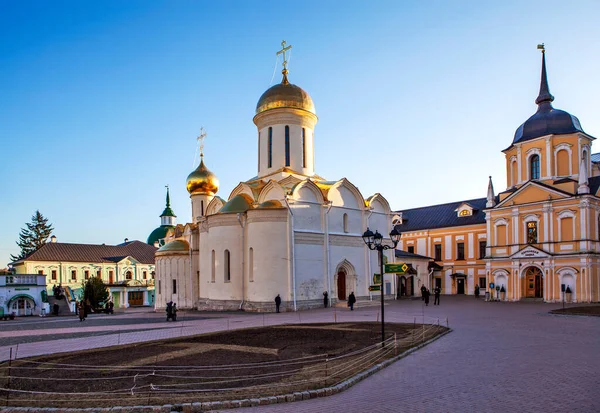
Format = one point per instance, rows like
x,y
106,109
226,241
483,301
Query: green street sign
x,y
398,268
375,288
377,279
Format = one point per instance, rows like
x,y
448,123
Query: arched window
x,y
251,264
213,265
270,149
532,235
287,145
345,220
303,148
226,266
514,171
128,275
534,167
562,163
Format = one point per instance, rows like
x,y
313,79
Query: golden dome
x,y
285,95
202,181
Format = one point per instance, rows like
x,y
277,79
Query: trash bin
x,y
487,296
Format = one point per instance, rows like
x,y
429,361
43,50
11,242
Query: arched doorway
x,y
534,283
21,305
341,284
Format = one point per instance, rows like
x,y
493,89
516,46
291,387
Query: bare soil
x,y
592,310
232,365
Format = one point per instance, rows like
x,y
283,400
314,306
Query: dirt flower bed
x,y
248,363
592,310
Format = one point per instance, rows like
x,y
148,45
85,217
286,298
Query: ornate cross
x,y
201,140
282,51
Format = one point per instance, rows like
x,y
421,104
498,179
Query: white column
x,y
519,180
125,298
548,156
146,298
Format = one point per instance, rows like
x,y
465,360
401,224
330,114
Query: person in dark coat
x,y
351,301
423,289
476,291
426,295
436,294
325,299
111,307
55,309
81,310
169,310
277,303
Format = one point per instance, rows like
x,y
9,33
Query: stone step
x,y
63,307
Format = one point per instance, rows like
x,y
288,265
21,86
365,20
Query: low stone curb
x,y
201,407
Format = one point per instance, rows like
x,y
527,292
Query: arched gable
x,y
271,191
289,181
215,205
346,266
241,188
345,194
379,204
307,191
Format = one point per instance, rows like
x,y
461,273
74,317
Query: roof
x,y
595,157
594,184
158,234
177,245
408,255
92,253
441,216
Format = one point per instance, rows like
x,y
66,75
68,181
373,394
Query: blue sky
x,y
100,102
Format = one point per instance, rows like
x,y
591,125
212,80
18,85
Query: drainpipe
x,y
243,225
293,247
330,204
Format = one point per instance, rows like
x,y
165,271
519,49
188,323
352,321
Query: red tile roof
x,y
59,251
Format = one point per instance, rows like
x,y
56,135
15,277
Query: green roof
x,y
168,212
177,245
237,204
158,234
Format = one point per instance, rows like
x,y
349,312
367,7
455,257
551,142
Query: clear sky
x,y
101,101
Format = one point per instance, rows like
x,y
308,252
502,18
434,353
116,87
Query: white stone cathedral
x,y
286,231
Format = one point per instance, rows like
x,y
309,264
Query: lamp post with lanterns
x,y
375,242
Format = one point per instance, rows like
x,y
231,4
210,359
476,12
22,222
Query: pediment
x,y
128,260
530,252
533,192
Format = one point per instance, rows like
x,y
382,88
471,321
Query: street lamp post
x,y
375,242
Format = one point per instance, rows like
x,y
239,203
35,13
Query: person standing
x,y
436,294
277,303
426,295
476,291
423,289
81,309
325,299
351,301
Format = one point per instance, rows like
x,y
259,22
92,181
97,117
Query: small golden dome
x,y
285,95
202,181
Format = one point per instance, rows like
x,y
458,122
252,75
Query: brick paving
x,y
500,356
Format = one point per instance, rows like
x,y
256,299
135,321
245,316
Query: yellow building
x,y
540,238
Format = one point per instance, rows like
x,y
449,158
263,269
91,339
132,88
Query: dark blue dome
x,y
547,121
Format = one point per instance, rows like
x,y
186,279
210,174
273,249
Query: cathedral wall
x,y
307,216
353,252
169,268
311,280
225,238
345,220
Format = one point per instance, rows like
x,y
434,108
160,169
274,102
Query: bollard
x,y
447,324
377,316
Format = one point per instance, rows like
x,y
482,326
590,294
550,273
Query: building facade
x,y
286,232
127,269
22,294
540,238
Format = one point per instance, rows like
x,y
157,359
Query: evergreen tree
x,y
95,292
34,236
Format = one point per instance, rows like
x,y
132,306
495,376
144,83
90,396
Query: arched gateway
x,y
534,283
345,279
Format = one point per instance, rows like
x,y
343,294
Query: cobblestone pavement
x,y
500,356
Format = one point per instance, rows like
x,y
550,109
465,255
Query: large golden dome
x,y
202,181
285,95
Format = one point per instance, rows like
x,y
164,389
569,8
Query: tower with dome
x,y
286,231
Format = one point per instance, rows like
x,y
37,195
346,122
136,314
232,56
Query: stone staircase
x,y
63,306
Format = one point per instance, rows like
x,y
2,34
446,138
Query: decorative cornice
x,y
309,238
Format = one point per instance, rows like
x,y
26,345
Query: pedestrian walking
x,y
423,289
476,291
325,299
81,309
351,301
436,294
426,295
277,303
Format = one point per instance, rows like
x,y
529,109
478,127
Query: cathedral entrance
x,y
341,284
534,283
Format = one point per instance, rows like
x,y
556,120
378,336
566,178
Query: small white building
x,y
286,231
23,294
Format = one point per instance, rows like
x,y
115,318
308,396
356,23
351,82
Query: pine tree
x,y
34,236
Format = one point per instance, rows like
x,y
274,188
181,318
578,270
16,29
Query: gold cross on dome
x,y
201,140
282,51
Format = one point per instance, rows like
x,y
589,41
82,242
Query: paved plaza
x,y
499,356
